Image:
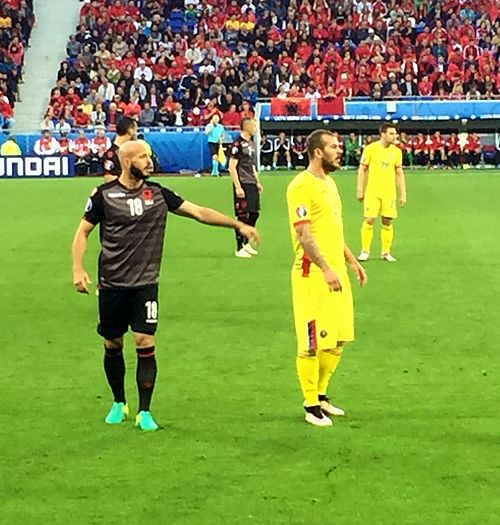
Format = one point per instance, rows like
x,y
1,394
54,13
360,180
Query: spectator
x,y
421,150
98,116
143,72
409,87
299,148
472,149
82,150
266,152
232,117
99,145
47,124
147,117
65,144
106,90
282,151
352,150
46,145
62,126
453,150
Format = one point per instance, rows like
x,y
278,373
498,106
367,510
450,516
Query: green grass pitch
x,y
420,445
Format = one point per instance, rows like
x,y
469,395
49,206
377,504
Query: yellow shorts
x,y
384,206
322,318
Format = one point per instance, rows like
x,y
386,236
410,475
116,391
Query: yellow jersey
x,y
382,163
318,202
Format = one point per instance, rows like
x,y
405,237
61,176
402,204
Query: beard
x,y
137,173
328,166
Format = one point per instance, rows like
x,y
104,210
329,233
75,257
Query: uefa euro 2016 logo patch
x,y
301,211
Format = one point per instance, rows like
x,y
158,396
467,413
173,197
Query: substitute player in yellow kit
x,y
322,298
381,169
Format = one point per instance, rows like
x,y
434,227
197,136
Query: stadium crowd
x,y
16,22
170,63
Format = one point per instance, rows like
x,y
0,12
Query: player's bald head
x,y
131,149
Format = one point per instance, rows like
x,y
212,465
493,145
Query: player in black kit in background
x,y
126,130
246,184
132,213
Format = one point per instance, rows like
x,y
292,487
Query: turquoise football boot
x,y
117,414
144,420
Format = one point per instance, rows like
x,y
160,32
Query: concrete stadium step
x,y
56,20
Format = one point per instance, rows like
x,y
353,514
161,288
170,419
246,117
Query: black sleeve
x,y
94,211
112,163
235,150
173,200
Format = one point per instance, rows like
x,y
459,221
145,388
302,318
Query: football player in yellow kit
x,y
381,169
322,297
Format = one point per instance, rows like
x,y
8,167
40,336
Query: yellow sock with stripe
x,y
387,235
328,362
308,371
366,236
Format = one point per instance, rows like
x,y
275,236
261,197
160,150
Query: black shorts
x,y
251,201
120,309
214,148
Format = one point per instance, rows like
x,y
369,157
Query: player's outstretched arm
x,y
401,182
216,218
362,178
81,280
360,272
311,249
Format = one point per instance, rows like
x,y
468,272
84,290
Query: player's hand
x,y
332,280
81,280
402,201
360,273
250,233
260,187
240,193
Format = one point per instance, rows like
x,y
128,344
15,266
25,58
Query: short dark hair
x,y
244,121
315,140
386,126
124,124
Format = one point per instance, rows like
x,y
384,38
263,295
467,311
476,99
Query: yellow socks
x,y
387,235
308,370
366,236
328,362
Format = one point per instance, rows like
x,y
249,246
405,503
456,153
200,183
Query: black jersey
x,y
243,150
132,229
112,164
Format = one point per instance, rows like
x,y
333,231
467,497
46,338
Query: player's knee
x,y
114,344
370,221
386,221
144,340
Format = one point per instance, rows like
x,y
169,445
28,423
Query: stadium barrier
x,y
178,150
414,109
37,167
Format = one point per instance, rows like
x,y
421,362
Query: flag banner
x,y
335,106
291,108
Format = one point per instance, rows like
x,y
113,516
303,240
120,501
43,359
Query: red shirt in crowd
x,y
453,144
81,147
472,143
231,118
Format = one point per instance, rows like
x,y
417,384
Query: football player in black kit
x,y
246,184
132,213
126,130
